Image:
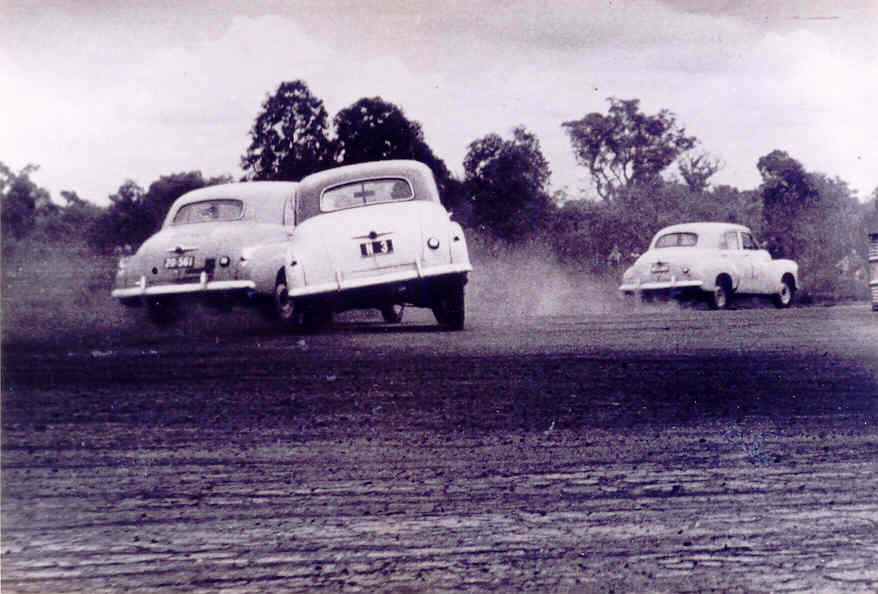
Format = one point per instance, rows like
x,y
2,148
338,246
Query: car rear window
x,y
361,193
209,211
677,240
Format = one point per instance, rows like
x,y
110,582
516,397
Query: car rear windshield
x,y
361,193
677,240
209,211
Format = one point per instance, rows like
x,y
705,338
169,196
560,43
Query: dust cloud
x,y
528,281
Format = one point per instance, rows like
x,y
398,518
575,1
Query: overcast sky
x,y
96,92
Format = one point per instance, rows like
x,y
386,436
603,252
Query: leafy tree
x,y
507,181
870,215
811,218
786,193
126,223
727,203
826,230
70,221
373,130
20,200
696,170
626,147
290,136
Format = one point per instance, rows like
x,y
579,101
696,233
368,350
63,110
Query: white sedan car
x,y
367,236
200,252
714,260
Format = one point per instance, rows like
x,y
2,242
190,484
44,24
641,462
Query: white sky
x,y
97,92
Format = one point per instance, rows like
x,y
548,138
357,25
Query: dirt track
x,y
660,450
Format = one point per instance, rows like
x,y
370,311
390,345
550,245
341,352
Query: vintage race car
x,y
200,250
712,260
367,236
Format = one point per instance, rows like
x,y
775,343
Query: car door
x,y
735,262
751,267
760,261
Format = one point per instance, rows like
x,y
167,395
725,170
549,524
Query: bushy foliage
x,y
507,181
29,212
21,199
598,233
135,214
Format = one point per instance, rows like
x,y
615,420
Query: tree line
x,y
504,195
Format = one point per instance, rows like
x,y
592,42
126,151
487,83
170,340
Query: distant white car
x,y
201,251
367,236
713,260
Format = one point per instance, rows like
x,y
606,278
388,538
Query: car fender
x,y
263,261
459,249
775,270
294,269
713,268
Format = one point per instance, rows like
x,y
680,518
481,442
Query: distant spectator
x,y
615,257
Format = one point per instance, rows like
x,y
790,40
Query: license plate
x,y
381,246
180,262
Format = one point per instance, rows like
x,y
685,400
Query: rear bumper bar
x,y
662,286
202,286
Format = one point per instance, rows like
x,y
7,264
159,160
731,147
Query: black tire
x,y
283,306
450,308
721,297
784,298
392,313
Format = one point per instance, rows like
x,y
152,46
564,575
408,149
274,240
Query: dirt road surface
x,y
658,450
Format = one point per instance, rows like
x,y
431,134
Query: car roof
x,y
312,186
264,199
709,229
704,226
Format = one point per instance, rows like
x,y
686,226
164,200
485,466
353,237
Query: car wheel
x,y
284,306
392,313
721,296
449,309
786,294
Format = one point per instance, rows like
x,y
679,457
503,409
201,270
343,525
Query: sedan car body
x,y
714,260
201,250
372,235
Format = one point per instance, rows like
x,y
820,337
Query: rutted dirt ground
x,y
658,450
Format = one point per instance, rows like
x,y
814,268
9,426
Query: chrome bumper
x,y
203,285
660,286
